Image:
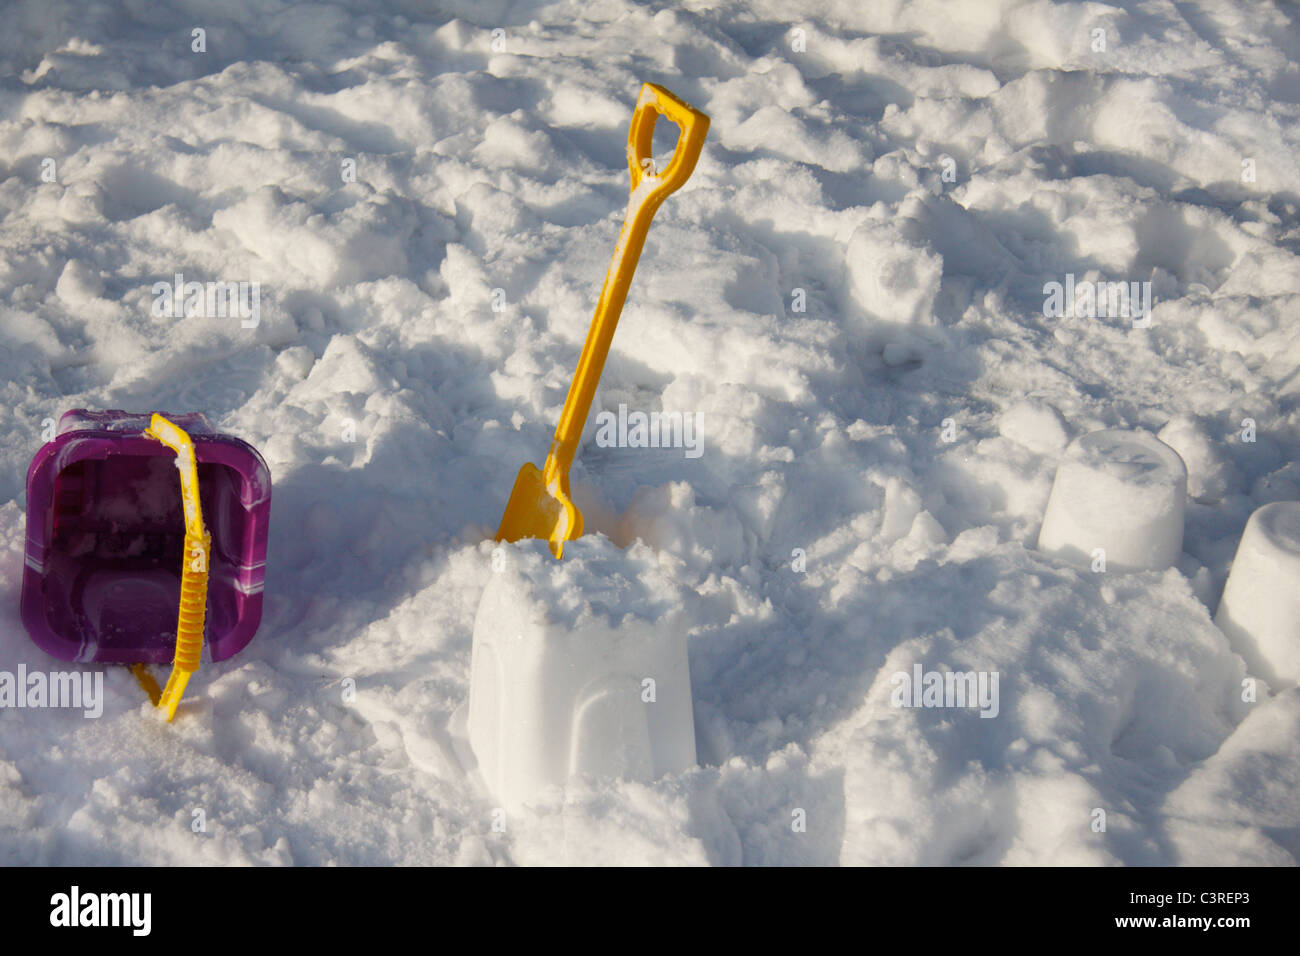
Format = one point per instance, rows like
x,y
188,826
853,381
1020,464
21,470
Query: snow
x,y
579,667
1260,605
848,293
1117,501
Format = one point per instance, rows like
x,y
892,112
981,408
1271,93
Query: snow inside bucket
x,y
1119,495
105,540
1260,607
578,666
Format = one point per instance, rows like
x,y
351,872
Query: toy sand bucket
x,y
127,561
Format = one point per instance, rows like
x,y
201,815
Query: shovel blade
x,y
538,511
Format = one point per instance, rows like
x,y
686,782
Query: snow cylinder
x,y
1119,491
578,666
1260,607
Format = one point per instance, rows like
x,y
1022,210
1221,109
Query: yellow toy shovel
x,y
539,505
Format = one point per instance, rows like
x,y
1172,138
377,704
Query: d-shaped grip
x,y
654,102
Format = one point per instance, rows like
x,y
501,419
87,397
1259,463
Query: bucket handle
x,y
194,573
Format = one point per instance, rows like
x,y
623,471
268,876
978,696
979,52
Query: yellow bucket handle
x,y
194,572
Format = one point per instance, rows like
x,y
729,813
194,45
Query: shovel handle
x,y
649,189
654,102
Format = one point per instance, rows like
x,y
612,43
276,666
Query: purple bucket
x,y
105,535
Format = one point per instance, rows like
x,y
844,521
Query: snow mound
x,y
848,299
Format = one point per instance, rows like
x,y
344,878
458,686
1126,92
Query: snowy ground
x,y
480,169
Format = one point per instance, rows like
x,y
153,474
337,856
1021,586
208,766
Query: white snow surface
x,y
482,168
